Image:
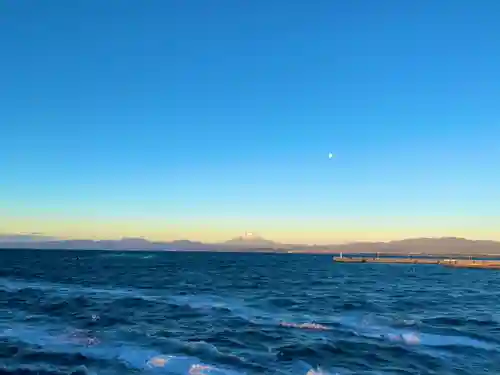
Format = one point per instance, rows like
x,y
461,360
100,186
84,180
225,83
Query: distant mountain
x,y
248,242
30,237
254,243
432,246
251,241
123,244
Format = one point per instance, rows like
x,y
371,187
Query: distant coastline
x,y
446,246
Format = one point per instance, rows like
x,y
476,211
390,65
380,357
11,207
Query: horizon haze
x,y
251,243
173,120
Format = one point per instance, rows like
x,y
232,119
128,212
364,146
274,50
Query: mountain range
x,y
253,243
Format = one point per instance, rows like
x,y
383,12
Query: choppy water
x,y
111,313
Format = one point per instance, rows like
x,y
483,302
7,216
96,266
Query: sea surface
x,y
64,312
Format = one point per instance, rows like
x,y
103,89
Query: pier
x,y
447,262
386,260
479,264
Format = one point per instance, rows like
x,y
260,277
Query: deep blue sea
x,y
64,312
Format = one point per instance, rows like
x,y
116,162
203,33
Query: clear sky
x,y
203,119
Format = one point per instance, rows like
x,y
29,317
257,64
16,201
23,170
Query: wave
x,y
255,315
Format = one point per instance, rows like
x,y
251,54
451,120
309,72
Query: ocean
x,y
97,312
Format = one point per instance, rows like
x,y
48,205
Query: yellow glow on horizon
x,y
289,231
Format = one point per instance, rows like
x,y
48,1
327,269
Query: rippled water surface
x,y
161,313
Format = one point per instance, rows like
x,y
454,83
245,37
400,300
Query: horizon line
x,y
52,238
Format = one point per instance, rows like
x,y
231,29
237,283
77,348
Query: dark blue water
x,y
111,313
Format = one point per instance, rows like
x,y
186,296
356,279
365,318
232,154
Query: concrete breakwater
x,y
447,262
481,264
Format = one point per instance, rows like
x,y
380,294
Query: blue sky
x,y
198,119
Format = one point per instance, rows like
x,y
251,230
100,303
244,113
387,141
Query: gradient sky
x,y
204,119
